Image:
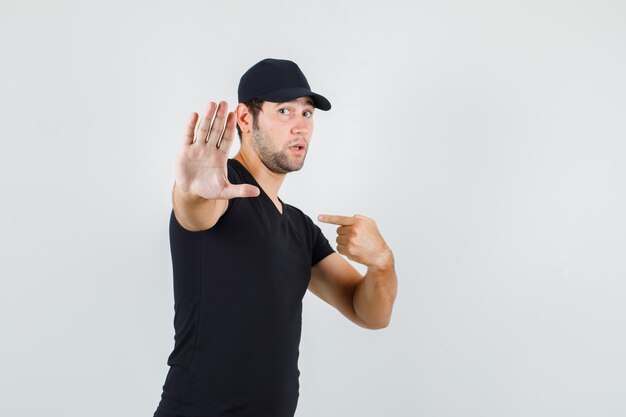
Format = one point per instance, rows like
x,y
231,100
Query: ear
x,y
243,118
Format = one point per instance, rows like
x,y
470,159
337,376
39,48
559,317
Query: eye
x,y
283,111
308,114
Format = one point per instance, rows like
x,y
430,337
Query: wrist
x,y
185,195
384,261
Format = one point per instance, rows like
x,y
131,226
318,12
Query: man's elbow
x,y
371,320
375,325
378,327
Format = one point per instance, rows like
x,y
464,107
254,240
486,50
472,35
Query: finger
x,y
228,136
190,128
334,219
342,240
343,230
217,127
240,191
205,124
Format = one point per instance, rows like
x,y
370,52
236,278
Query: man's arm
x,y
196,213
366,301
202,190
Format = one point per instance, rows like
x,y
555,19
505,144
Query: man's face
x,y
281,134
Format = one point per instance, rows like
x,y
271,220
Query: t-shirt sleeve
x,y
321,247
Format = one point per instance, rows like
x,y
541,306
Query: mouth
x,y
298,147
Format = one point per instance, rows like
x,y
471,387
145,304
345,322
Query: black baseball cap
x,y
277,80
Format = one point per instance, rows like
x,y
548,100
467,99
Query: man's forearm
x,y
374,296
194,212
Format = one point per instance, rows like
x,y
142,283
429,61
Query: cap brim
x,y
289,94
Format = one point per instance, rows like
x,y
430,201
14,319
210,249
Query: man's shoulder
x,y
295,212
235,172
294,209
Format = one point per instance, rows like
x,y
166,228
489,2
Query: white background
x,y
487,139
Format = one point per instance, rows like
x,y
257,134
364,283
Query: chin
x,y
283,165
285,170
297,167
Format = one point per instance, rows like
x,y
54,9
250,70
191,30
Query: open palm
x,y
201,162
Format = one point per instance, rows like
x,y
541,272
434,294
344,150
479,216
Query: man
x,y
243,259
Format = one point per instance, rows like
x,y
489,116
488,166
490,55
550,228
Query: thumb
x,y
240,191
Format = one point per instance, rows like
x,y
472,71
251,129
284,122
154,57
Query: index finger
x,y
335,219
190,129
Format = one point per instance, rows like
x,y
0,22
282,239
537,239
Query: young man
x,y
243,259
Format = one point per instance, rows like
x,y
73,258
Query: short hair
x,y
254,106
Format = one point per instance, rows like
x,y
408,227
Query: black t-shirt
x,y
238,290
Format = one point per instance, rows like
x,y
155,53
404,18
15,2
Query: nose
x,y
301,125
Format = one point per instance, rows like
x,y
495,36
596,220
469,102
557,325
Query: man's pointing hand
x,y
358,238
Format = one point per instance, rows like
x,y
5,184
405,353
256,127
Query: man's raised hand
x,y
201,168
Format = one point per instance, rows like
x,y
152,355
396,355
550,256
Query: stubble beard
x,y
276,161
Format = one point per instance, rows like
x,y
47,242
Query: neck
x,y
269,181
